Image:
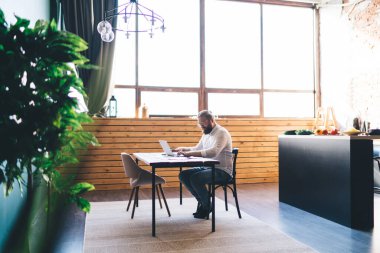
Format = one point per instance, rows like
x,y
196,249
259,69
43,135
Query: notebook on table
x,y
165,146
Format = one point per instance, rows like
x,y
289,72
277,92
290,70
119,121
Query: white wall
x,y
350,63
29,9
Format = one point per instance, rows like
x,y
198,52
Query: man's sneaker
x,y
203,213
199,207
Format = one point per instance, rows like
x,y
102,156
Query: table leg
x,y
213,197
180,188
153,201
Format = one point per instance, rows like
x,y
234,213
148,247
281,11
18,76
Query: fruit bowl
x,y
352,133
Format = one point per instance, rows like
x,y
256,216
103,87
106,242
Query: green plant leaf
x,y
83,204
8,187
3,23
46,178
21,22
2,176
44,130
80,188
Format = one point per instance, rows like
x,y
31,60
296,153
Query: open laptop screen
x,y
165,146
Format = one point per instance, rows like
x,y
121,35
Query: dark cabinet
x,y
330,176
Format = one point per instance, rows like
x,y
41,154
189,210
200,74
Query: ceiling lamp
x,y
132,17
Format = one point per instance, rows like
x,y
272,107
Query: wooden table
x,y
158,160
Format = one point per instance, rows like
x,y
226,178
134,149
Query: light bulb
x,y
108,37
104,27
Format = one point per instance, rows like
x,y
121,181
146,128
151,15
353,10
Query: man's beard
x,y
207,129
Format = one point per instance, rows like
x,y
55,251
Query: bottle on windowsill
x,y
144,111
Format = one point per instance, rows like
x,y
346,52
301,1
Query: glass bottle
x,y
112,107
144,111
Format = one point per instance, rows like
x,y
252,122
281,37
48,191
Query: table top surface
x,y
162,160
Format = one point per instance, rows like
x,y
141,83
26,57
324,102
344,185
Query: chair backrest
x,y
235,152
131,169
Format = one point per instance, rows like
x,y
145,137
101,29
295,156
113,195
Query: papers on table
x,y
183,158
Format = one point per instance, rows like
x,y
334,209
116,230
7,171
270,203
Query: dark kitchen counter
x,y
330,176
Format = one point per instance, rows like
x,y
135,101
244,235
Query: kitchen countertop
x,y
342,137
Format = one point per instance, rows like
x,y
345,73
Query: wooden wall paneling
x,y
256,139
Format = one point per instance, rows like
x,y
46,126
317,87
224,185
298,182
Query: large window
x,y
232,57
124,63
126,102
171,58
232,35
170,103
288,48
288,104
288,62
234,103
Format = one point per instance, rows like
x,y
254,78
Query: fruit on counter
x,y
309,132
304,132
326,132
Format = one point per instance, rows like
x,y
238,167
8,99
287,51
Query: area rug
x,y
110,229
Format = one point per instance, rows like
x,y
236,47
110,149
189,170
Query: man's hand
x,y
180,149
190,153
187,152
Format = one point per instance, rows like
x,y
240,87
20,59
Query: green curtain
x,y
100,80
82,18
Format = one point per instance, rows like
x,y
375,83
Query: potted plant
x,y
40,127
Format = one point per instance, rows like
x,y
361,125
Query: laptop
x,y
165,146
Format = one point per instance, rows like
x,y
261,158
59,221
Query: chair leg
x,y
137,199
163,197
236,200
158,196
180,188
135,202
130,198
225,197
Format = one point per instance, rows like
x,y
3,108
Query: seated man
x,y
216,143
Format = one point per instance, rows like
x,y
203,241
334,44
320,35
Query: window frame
x,y
203,91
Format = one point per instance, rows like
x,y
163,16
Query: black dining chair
x,y
230,184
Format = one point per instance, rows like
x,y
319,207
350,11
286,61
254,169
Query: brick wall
x,y
350,61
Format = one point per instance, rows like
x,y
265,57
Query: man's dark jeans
x,y
197,178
